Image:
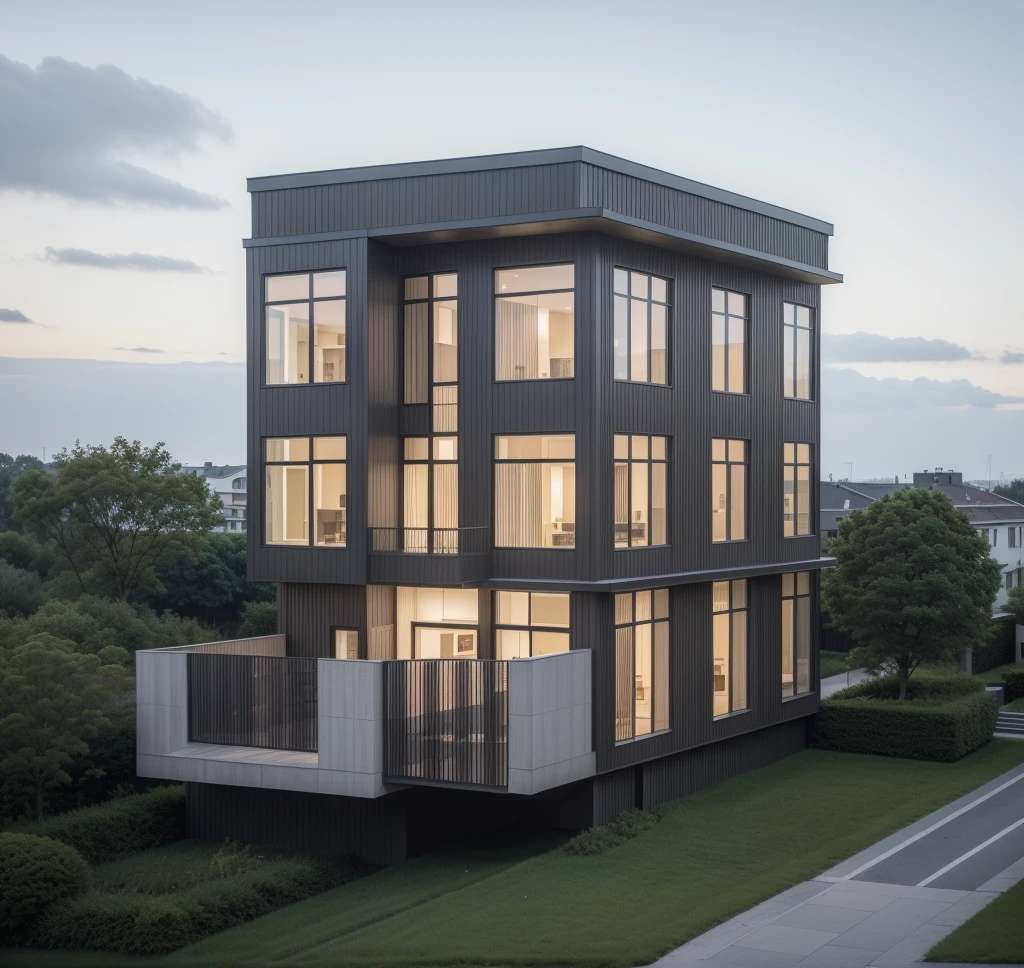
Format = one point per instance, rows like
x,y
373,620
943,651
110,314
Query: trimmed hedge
x,y
1014,679
597,840
119,827
940,719
35,874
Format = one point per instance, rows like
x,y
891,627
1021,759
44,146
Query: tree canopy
x,y
10,468
1014,490
913,582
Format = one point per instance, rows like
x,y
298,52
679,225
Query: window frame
x,y
795,597
812,375
530,628
729,464
310,299
649,461
430,300
538,292
795,464
732,611
747,328
496,460
346,628
632,625
430,462
650,301
309,463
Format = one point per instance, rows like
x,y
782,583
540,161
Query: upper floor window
x,y
1011,537
796,487
729,653
430,494
641,663
641,490
531,623
641,327
796,634
305,327
304,473
431,334
238,484
728,489
535,491
797,328
728,341
535,322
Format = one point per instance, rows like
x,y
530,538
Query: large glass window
x,y
796,634
641,327
797,329
641,663
535,491
431,495
531,623
729,653
305,327
304,473
535,319
728,341
431,340
728,489
796,497
641,484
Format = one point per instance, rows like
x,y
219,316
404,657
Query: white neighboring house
x,y
999,519
229,484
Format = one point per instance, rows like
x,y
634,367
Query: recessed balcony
x,y
447,556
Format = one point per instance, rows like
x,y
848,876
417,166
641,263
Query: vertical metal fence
x,y
446,720
252,700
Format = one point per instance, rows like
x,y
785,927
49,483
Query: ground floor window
x,y
796,634
641,663
729,652
531,623
437,623
345,644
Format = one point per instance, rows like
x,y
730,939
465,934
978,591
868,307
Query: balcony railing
x,y
428,541
446,721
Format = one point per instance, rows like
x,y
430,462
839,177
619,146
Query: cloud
x,y
1012,356
13,316
847,391
875,348
129,260
138,349
68,129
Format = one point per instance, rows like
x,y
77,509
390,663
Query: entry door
x,y
445,643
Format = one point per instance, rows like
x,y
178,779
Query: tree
x,y
258,618
10,468
914,583
1014,490
115,515
1015,604
52,700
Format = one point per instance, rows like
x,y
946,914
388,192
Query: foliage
x,y
1014,490
914,583
1014,679
24,552
143,908
941,719
258,618
995,935
10,468
116,515
21,592
596,840
1015,604
833,663
52,699
997,650
35,874
122,826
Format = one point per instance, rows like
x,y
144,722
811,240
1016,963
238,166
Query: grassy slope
x,y
994,935
832,663
1017,706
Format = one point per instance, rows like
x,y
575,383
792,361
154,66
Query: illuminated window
x,y
641,482
796,489
728,341
641,663
796,634
535,320
729,652
345,643
298,306
304,473
535,491
641,327
797,329
531,623
431,495
432,347
728,489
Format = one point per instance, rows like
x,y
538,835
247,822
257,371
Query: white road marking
x,y
970,853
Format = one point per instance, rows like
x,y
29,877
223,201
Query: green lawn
x,y
994,935
1017,706
832,663
527,902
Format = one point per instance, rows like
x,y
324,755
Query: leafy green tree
x,y
21,592
1015,604
258,618
1014,490
10,468
22,551
914,583
52,701
116,515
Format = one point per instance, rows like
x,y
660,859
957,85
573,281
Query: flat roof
x,y
524,159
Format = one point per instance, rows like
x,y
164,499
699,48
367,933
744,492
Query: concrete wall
x,y
550,740
161,693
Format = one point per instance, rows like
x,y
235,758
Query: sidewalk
x,y
835,683
876,908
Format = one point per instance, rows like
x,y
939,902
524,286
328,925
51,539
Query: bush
x,y
122,826
1014,679
597,840
941,719
35,874
258,618
998,650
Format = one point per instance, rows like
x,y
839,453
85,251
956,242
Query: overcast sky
x,y
127,131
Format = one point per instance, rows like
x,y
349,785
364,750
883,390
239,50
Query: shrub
x,y
35,874
997,650
122,826
1014,679
597,840
940,719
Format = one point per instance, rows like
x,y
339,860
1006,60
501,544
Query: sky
x,y
127,131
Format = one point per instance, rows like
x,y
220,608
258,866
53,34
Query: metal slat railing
x,y
252,700
428,541
446,721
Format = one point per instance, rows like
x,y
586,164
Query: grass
x,y
832,663
994,935
527,902
1017,706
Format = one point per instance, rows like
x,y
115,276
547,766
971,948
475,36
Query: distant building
x,y
998,518
228,482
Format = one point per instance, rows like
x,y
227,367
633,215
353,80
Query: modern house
x,y
537,438
229,483
999,519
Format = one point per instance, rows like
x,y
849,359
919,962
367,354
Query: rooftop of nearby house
x,y
213,471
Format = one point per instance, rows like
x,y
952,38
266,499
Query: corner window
x,y
729,632
796,634
535,491
531,623
641,327
641,663
796,488
304,473
728,489
641,506
728,341
534,322
305,327
797,329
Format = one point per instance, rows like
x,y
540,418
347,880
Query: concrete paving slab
x,y
885,928
965,909
857,900
912,948
795,941
823,917
734,957
831,956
